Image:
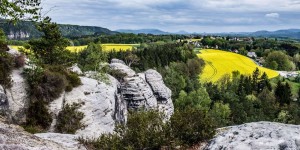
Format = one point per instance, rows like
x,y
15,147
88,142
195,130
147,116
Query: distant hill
x,y
27,30
145,31
287,33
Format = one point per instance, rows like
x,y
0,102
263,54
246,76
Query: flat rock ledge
x,y
257,136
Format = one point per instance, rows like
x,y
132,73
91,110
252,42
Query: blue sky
x,y
175,15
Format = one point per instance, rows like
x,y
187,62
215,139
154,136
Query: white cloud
x,y
272,15
175,15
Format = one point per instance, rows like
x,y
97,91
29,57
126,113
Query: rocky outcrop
x,y
17,101
104,103
161,91
257,136
137,93
3,101
101,105
14,137
144,90
18,35
120,66
67,140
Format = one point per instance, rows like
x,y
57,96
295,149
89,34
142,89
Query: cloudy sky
x,y
175,15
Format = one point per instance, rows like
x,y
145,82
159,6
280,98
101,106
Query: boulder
x,y
17,97
258,136
123,68
14,137
75,69
114,60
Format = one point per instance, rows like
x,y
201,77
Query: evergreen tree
x,y
51,48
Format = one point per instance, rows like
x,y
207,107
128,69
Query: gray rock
x,y
101,105
257,136
137,93
75,69
114,60
3,102
67,140
123,68
17,97
14,137
161,91
3,97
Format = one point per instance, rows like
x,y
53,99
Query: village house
x,y
251,54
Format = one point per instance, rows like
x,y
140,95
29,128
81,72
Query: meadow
x,y
219,63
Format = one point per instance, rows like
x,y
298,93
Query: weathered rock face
x,y
161,91
257,136
144,90
101,105
14,137
137,93
17,100
3,101
18,35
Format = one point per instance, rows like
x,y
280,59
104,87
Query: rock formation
x,y
103,103
17,100
257,135
14,137
144,90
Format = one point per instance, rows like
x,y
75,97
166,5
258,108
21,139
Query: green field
x,y
219,63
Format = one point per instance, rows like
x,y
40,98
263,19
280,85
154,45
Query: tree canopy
x,y
20,9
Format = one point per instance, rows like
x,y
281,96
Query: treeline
x,y
254,98
126,38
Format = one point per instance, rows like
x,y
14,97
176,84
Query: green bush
x,y
73,79
52,85
68,120
6,65
191,126
38,115
144,130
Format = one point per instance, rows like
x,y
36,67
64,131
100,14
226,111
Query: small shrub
x,y
143,130
19,61
38,115
68,120
119,75
53,84
33,129
191,126
69,88
6,65
73,79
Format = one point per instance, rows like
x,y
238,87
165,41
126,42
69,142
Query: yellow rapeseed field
x,y
219,63
105,47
